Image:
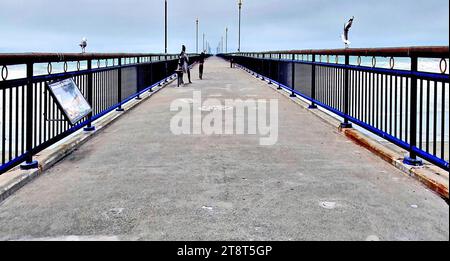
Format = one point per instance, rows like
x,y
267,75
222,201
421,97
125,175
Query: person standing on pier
x,y
202,62
185,62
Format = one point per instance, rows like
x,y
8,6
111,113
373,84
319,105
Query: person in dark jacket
x,y
201,62
185,62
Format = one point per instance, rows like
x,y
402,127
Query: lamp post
x,y
204,46
240,8
196,35
165,26
226,40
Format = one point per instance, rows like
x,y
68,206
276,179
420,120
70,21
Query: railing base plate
x,y
346,125
413,162
312,106
27,166
89,129
120,109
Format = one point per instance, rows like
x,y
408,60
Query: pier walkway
x,y
135,180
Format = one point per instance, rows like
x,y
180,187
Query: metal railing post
x,y
138,80
412,159
313,83
270,69
151,73
278,73
263,78
167,71
29,163
89,97
119,86
346,124
256,67
293,76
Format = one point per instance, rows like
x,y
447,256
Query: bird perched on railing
x,y
344,36
83,45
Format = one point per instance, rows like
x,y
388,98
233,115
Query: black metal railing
x,y
30,118
399,94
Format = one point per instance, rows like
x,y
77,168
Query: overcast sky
x,y
138,25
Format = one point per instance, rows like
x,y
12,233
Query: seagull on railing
x,y
83,45
344,36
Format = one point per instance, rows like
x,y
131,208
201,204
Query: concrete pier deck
x,y
137,181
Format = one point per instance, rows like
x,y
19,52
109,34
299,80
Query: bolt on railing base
x,y
89,129
29,165
413,162
346,125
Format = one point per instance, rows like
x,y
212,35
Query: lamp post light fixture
x,y
240,9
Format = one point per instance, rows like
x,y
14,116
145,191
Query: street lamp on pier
x,y
226,40
240,9
204,44
196,35
165,26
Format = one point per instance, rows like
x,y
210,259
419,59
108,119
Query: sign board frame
x,y
69,100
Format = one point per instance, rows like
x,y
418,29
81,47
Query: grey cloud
x,y
137,25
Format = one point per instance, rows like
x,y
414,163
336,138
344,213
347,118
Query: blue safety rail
x,y
407,107
31,121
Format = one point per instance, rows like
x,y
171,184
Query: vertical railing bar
x,y
407,111
46,127
22,141
4,126
390,104
386,104
16,114
10,124
359,94
443,123
40,113
435,128
421,115
401,108
366,96
373,99
396,107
